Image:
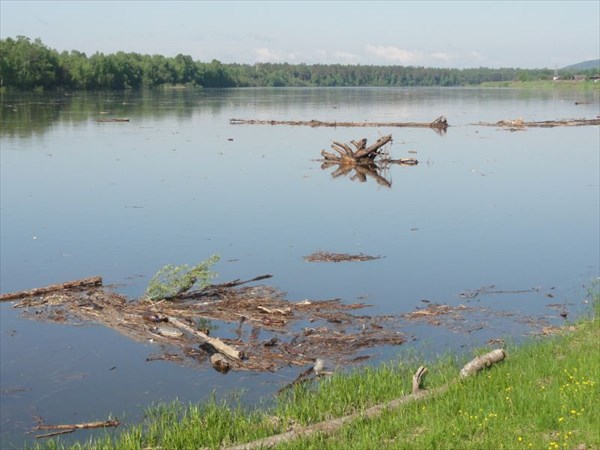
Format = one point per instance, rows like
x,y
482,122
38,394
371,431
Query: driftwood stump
x,y
361,155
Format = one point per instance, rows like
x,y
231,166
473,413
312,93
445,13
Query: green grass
x,y
543,396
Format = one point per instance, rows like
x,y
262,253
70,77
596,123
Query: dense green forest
x,y
29,65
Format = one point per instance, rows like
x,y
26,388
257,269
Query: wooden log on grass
x,y
82,283
482,362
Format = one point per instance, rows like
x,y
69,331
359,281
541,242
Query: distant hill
x,y
585,65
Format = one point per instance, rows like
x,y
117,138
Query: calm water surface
x,y
517,210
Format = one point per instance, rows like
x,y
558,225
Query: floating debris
x,y
362,160
520,123
441,123
272,332
115,119
321,256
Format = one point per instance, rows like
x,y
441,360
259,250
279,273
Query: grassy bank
x,y
543,396
545,84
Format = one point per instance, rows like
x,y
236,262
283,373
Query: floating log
x,y
216,343
82,283
80,426
439,123
64,429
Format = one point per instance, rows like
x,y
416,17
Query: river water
x,y
484,207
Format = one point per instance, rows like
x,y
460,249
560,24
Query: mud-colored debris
x,y
485,290
165,357
255,328
13,391
435,310
322,256
520,123
271,332
550,330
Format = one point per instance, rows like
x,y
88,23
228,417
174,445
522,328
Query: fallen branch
x,y
216,289
218,345
80,426
439,123
329,426
82,283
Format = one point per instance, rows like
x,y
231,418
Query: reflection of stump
x,y
361,155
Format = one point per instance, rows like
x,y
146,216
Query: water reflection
x,y
380,172
30,114
26,115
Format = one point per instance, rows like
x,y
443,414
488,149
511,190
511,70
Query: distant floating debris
x,y
520,123
439,124
113,119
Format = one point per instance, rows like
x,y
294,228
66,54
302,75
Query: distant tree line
x,y
28,65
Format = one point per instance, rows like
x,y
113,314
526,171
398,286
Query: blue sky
x,y
527,34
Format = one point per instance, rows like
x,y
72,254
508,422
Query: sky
x,y
457,34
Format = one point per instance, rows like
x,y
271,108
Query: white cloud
x,y
446,57
322,55
347,57
266,55
395,54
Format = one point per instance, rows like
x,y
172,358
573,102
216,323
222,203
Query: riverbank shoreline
x,y
542,397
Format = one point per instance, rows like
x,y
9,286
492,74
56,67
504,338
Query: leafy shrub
x,y
173,280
